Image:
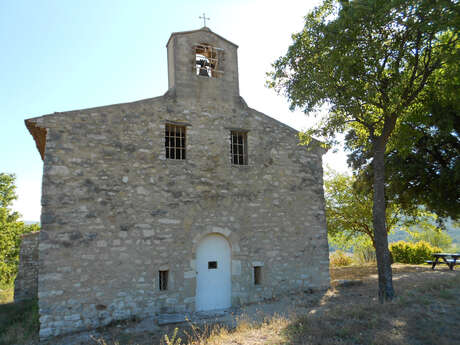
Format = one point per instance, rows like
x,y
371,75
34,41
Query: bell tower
x,y
202,65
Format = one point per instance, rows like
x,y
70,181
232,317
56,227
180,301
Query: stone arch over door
x,y
231,237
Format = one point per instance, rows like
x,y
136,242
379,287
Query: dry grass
x,y
246,332
6,294
426,311
339,259
426,314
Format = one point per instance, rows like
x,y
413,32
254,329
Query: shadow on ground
x,y
425,311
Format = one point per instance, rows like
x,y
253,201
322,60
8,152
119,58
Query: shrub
x,y
340,258
412,253
364,253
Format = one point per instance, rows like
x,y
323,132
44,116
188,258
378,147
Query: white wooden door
x,y
213,280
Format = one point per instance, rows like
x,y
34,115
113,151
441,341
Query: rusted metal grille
x,y
175,141
239,147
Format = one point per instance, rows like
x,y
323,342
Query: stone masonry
x,y
116,211
25,285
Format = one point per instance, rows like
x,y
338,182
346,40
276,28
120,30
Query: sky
x,y
64,55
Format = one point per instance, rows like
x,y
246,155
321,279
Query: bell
x,y
202,63
204,72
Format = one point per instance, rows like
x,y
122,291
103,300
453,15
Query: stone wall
x,y
115,211
25,285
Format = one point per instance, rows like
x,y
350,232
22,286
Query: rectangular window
x,y
212,265
239,147
257,275
175,141
163,280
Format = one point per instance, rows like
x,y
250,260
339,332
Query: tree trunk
x,y
386,291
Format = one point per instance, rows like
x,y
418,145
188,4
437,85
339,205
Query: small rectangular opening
x,y
257,275
212,265
163,280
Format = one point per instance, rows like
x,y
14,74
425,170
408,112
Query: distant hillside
x,y
30,222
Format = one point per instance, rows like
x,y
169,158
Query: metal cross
x,y
204,19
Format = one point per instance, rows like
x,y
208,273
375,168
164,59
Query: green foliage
x,y
423,159
364,252
412,253
426,229
434,236
340,258
369,62
11,230
349,211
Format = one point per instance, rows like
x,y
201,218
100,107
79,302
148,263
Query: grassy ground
x,y
425,311
19,323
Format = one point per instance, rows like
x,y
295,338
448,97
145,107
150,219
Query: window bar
x,y
167,140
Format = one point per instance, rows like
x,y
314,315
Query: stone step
x,y
165,319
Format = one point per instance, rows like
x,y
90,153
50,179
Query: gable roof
x,y
204,28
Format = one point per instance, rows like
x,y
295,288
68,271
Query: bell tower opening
x,y
203,65
208,61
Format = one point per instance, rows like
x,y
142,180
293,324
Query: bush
x,y
412,253
364,253
339,258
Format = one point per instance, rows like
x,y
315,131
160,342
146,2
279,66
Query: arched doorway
x,y
213,279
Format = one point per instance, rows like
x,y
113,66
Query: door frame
x,y
232,239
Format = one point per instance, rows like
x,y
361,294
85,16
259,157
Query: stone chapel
x,y
190,201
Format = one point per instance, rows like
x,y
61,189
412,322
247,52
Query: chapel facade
x,y
191,201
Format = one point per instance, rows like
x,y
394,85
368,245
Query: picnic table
x,y
444,256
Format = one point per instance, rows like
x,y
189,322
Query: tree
x,y
431,234
11,230
368,61
426,227
426,171
349,210
422,162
